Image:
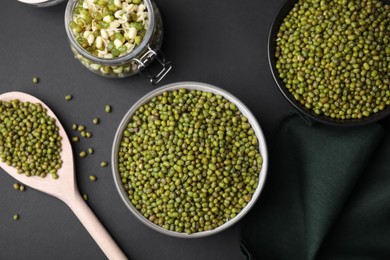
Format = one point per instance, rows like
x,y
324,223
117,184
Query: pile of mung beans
x,y
109,28
334,56
29,139
189,160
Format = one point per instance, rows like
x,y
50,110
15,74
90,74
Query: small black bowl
x,y
282,13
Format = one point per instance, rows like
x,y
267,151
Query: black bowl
x,y
282,13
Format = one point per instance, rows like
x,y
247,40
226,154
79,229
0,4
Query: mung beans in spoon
x,y
29,139
43,140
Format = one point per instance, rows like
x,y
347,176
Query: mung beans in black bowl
x,y
331,59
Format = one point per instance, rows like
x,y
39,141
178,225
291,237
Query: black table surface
x,y
218,42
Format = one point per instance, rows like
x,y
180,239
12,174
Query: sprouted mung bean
x,y
189,160
92,178
334,56
29,139
109,28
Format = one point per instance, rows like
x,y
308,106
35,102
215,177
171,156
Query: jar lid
x,y
41,3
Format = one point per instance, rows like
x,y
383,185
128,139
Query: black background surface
x,y
217,42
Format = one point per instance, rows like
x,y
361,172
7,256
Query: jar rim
x,y
114,61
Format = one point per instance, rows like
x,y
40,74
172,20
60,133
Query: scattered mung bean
x,y
103,164
83,154
95,121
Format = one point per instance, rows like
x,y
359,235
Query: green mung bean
x,y
35,80
96,121
83,154
103,164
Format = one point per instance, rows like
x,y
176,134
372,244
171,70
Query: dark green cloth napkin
x,y
327,195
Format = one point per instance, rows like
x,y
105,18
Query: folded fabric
x,y
327,195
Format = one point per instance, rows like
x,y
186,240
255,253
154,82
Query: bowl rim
x,y
283,10
203,87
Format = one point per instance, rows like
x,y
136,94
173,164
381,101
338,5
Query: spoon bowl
x,y
65,187
60,187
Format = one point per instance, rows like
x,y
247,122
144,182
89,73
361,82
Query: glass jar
x,y
131,63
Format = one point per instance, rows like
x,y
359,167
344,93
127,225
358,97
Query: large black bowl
x,y
282,13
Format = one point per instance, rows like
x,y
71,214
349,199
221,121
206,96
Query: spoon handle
x,y
95,228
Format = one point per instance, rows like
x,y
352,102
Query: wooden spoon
x,y
65,187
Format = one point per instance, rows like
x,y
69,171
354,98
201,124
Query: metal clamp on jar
x,y
131,63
